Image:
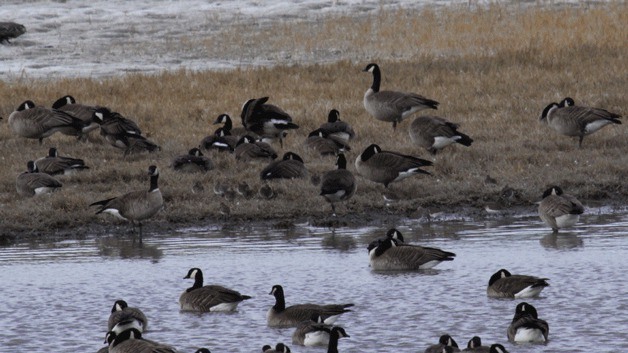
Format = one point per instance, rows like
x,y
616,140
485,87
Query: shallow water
x,y
57,296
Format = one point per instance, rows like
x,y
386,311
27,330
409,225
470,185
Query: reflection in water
x,y
561,241
125,248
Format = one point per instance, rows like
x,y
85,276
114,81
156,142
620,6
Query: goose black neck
x,y
153,182
280,302
333,342
198,281
341,162
377,77
228,125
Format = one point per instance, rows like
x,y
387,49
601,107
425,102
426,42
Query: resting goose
x,y
266,120
289,167
526,325
386,167
37,122
559,210
54,164
32,182
338,128
434,133
503,284
209,297
393,255
121,312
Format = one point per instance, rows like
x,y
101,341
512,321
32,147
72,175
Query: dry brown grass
x,y
492,69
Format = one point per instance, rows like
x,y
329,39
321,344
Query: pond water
x,y
57,296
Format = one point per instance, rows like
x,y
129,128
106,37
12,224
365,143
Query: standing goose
x,y
289,167
192,162
225,119
121,312
443,341
559,210
392,106
570,120
526,325
266,120
247,149
337,127
387,167
210,297
32,182
475,345
312,332
326,144
502,284
339,184
135,206
434,133
281,316
84,112
392,255
335,333
131,341
122,133
53,164
38,122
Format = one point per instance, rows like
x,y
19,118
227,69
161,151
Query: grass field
x,y
492,69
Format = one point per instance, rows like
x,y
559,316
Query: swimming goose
x,y
338,128
210,297
122,133
281,316
335,333
326,144
225,119
247,149
9,30
559,210
392,106
38,122
443,341
289,167
202,350
570,120
387,167
434,133
497,348
475,345
279,348
135,206
53,164
526,325
502,284
339,184
84,112
266,120
131,341
192,162
32,182
221,140
393,255
121,312
312,332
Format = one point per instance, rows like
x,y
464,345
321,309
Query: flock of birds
x,y
262,124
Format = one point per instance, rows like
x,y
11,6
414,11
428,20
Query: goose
x,y
9,30
312,332
392,255
526,325
131,341
122,312
392,106
337,127
502,284
221,140
281,316
279,348
289,167
434,133
335,333
339,184
497,348
266,120
386,167
475,345
225,119
68,104
135,206
210,297
568,119
559,210
443,341
202,350
325,144
192,162
247,149
32,182
266,192
122,133
36,122
53,164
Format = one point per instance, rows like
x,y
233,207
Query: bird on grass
x,y
37,122
54,164
266,120
32,182
386,167
339,184
434,133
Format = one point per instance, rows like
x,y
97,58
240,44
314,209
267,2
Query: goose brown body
x,y
209,297
503,284
32,182
434,133
559,210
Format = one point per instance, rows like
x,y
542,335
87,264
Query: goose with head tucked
x,y
559,210
392,106
290,166
135,206
221,140
445,341
32,182
225,119
338,128
208,298
392,254
568,119
192,162
326,144
475,345
503,284
122,133
266,120
434,133
121,312
54,164
281,316
387,167
312,332
339,184
526,325
497,348
131,341
68,104
37,122
247,149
